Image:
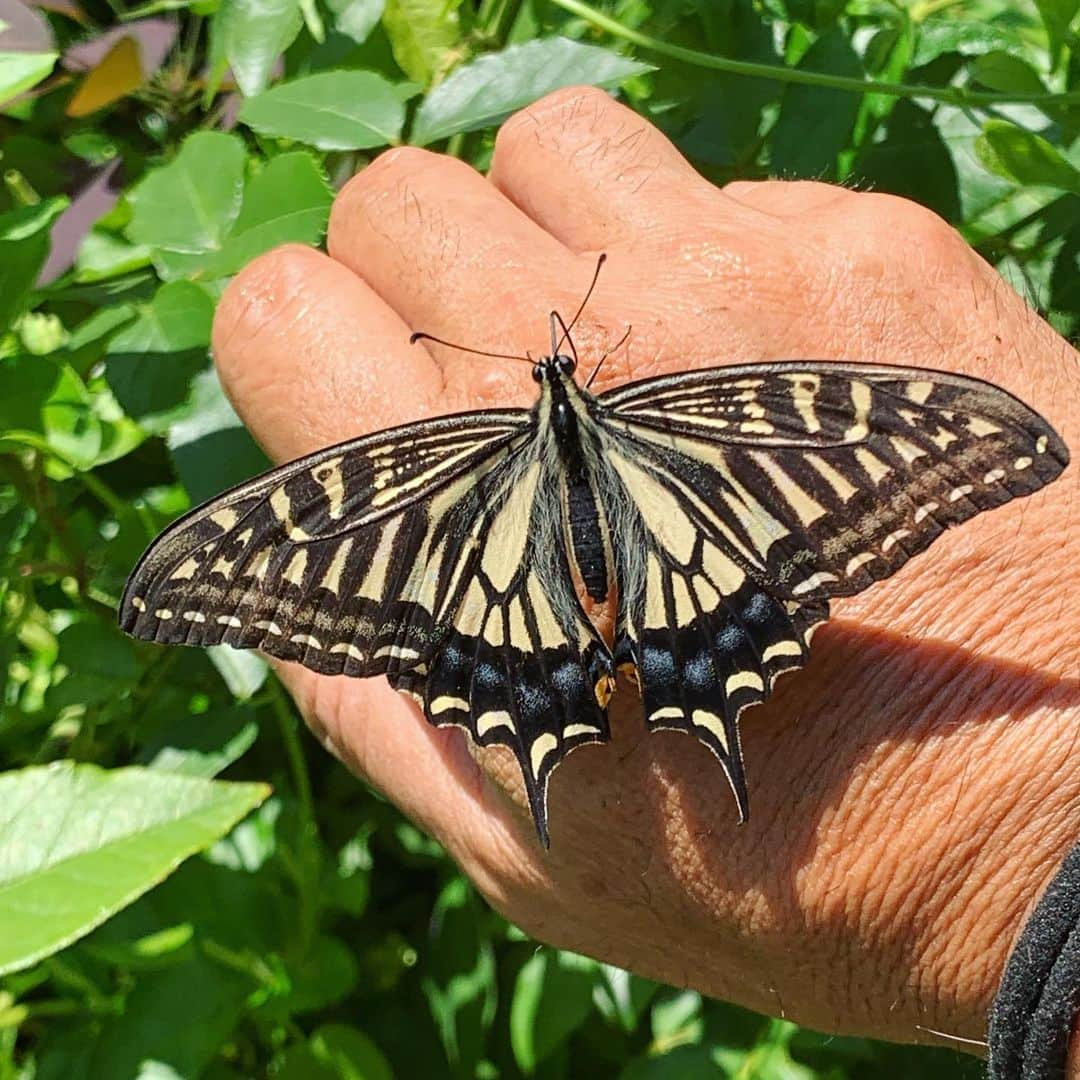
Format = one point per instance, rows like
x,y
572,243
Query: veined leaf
x,y
19,71
815,122
190,204
150,364
424,35
288,202
1024,157
484,92
253,34
356,18
334,110
81,842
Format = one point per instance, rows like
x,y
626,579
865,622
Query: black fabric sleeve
x,y
1032,1017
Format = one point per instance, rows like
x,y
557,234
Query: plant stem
x,y
308,857
295,752
950,95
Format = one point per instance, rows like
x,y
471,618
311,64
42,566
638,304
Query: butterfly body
x,y
720,509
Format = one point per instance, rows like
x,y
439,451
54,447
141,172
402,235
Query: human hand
x,y
911,789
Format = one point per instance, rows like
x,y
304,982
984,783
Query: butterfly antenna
x,y
421,336
614,348
577,314
557,319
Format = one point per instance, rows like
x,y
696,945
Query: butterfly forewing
x,y
827,477
328,560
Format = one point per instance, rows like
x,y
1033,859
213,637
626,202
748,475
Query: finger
x,y
452,255
595,174
305,348
787,198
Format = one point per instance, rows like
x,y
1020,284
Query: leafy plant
x,y
149,151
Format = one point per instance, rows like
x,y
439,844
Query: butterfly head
x,y
550,368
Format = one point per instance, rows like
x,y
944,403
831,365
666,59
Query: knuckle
x,y
402,165
567,110
583,123
904,223
255,298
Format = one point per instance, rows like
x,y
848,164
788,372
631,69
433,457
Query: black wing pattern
x,y
757,493
424,553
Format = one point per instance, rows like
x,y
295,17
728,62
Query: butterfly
x,y
721,509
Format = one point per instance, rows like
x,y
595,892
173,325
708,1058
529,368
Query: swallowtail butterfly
x,y
722,508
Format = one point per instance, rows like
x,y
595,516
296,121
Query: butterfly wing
x,y
426,553
317,561
752,495
828,477
520,665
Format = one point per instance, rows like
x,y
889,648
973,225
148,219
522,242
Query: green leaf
x,y
288,202
21,70
979,190
356,18
1006,73
552,996
966,37
211,447
623,996
24,247
815,122
334,110
913,161
243,671
43,401
1025,158
253,34
20,263
173,1023
30,220
1057,17
102,256
251,843
81,842
326,973
100,661
150,364
335,1052
460,983
190,204
203,745
424,36
484,92
676,1017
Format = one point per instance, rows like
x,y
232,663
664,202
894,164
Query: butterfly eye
x,y
538,373
566,364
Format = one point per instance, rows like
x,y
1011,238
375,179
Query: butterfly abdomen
x,y
582,509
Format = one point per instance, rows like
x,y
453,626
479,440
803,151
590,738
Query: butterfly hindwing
x,y
519,664
704,635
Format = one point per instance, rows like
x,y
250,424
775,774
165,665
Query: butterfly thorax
x,y
565,406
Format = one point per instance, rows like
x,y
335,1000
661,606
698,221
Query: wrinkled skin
x,y
915,787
